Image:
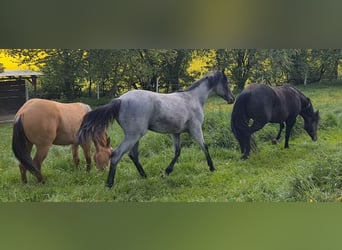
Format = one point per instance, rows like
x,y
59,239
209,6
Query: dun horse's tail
x,y
95,122
239,121
19,147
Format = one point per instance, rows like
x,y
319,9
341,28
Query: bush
x,y
328,121
216,127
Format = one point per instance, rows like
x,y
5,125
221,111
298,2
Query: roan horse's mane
x,y
199,82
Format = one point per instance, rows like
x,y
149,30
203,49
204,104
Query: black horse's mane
x,y
308,105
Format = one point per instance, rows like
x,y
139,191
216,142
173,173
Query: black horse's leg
x,y
242,139
281,127
246,140
134,155
289,125
177,148
257,125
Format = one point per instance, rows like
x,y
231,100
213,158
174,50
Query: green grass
x,y
307,171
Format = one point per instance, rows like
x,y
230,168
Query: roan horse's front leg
x,y
125,146
196,132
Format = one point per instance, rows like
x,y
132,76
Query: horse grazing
x,y
138,111
264,104
42,123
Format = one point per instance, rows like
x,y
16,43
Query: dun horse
x,y
138,111
264,104
42,123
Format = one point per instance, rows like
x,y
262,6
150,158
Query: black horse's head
x,y
311,119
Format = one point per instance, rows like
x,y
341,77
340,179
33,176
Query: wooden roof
x,y
19,73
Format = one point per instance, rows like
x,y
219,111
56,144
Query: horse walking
x,y
138,111
264,104
42,123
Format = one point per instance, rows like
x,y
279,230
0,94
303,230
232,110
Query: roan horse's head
x,y
103,152
222,87
311,119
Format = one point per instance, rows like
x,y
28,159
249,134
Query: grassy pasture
x,y
308,171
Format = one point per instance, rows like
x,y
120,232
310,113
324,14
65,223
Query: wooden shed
x,y
13,91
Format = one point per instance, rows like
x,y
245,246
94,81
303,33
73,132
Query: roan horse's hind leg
x,y
126,145
177,148
134,155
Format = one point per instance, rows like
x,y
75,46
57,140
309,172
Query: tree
x,y
174,68
63,72
240,63
147,66
275,65
105,68
313,65
31,57
325,63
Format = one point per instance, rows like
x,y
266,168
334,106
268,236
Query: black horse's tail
x,y
240,120
20,149
96,121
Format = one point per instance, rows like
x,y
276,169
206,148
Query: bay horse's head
x,y
103,151
311,119
222,86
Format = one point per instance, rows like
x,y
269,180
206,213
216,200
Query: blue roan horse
x,y
263,104
138,111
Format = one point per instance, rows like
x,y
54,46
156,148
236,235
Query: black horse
x,y
262,104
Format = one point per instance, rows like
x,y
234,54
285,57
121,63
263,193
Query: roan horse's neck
x,y
201,92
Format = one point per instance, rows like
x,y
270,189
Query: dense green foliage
x,y
70,73
307,171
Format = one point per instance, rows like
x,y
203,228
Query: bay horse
x,y
42,123
138,111
265,104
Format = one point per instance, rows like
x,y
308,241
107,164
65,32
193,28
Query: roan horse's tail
x,y
19,147
95,122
